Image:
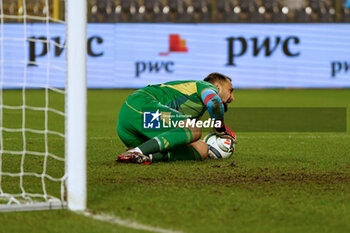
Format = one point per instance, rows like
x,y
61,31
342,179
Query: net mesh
x,y
32,108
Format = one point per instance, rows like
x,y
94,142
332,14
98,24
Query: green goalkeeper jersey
x,y
183,96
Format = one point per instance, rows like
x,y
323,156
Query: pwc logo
x,y
176,45
238,46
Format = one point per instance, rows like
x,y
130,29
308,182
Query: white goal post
x,y
76,11
15,194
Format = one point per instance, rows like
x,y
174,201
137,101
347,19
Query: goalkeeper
x,y
184,99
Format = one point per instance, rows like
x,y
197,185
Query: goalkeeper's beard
x,y
225,107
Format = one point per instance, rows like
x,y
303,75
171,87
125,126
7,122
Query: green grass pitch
x,y
275,182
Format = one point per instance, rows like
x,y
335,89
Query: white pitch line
x,y
125,223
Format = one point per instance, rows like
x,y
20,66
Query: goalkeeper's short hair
x,y
217,77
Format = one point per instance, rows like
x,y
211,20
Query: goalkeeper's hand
x,y
226,131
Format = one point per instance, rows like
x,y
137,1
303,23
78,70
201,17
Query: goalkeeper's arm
x,y
214,104
216,110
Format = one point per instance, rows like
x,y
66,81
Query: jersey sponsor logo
x,y
151,120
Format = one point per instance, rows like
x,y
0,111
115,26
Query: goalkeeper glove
x,y
226,131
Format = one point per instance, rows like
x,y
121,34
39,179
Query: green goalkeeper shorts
x,y
130,125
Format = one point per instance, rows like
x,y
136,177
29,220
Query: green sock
x,y
150,146
167,141
178,153
162,156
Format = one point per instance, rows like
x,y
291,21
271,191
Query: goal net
x,y
41,108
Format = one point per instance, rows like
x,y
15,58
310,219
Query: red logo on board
x,y
176,44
